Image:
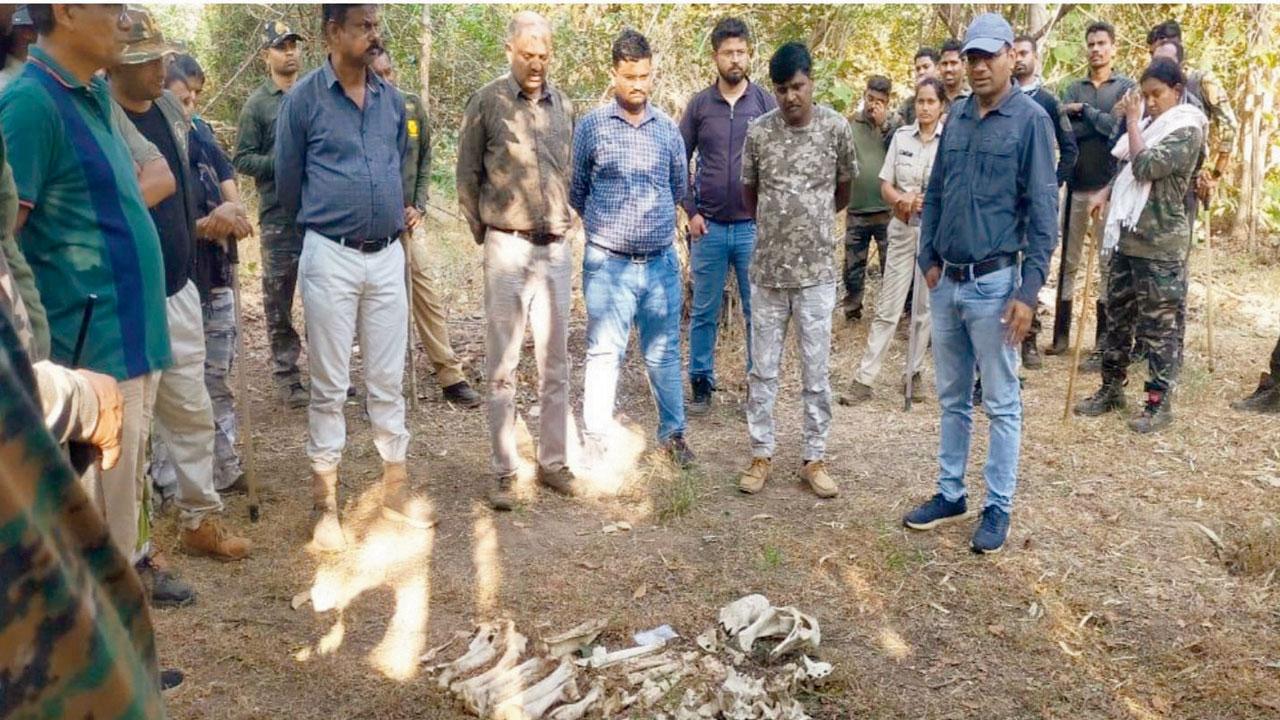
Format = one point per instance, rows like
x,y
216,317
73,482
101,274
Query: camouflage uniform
x,y
795,172
1148,270
281,239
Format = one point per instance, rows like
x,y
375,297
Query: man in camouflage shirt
x,y
798,166
281,238
428,308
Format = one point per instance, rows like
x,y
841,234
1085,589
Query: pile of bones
x,y
496,679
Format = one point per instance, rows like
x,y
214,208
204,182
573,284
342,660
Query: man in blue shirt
x,y
340,138
629,171
989,226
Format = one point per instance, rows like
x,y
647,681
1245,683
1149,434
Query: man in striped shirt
x,y
629,171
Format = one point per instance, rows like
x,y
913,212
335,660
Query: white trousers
x,y
345,290
899,270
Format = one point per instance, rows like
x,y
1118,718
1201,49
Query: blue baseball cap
x,y
988,33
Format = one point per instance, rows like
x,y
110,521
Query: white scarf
x,y
1129,195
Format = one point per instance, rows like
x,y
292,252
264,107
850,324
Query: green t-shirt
x,y
88,231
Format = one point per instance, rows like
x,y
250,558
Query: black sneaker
x,y
701,402
462,394
853,313
679,451
992,530
936,511
977,392
170,679
165,590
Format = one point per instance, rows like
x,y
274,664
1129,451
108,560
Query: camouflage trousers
x,y
281,248
772,309
1143,301
220,344
862,231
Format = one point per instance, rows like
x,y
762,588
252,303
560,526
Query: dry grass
x,y
1109,601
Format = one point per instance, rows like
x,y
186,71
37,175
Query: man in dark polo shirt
x,y
721,230
867,219
183,409
990,221
281,238
340,140
1087,102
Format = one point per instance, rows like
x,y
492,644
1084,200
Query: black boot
x,y
1265,399
700,404
1031,353
1061,329
1109,397
1093,363
1156,413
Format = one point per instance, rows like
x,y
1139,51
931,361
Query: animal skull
x,y
739,614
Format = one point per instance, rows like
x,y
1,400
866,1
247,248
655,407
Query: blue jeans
x,y
618,293
710,257
967,330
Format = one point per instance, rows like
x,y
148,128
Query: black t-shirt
x,y
173,216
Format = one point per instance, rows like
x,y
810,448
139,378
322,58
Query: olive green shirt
x,y
255,151
416,166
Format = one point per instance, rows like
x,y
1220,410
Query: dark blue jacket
x,y
717,132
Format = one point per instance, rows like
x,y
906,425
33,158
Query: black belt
x,y
633,257
972,271
533,238
364,245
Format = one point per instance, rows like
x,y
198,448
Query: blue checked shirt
x,y
628,179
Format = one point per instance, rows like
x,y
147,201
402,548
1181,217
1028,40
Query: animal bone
x,y
513,647
578,710
740,613
709,640
654,690
533,703
813,671
771,623
738,695
602,659
644,663
638,678
804,631
500,688
431,654
481,650
570,641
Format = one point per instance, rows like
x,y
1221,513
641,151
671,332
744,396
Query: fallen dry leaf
x,y
640,591
997,630
300,599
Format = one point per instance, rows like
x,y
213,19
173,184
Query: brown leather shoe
x,y
561,481
214,540
814,472
501,499
327,533
752,481
398,500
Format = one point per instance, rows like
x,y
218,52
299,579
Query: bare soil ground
x,y
1111,600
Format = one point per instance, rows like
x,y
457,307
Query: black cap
x,y
275,32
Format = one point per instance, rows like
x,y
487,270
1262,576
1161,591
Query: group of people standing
x,y
119,283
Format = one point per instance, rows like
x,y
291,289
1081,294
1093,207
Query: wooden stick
x,y
242,398
408,286
1084,314
1208,286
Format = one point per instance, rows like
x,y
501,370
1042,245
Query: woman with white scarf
x,y
1147,237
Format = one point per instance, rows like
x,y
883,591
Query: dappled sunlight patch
x,y
892,644
625,444
487,568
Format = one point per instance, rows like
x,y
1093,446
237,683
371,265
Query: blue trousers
x,y
725,246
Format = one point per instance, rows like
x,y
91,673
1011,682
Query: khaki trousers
x,y
1080,225
429,315
530,283
119,493
899,272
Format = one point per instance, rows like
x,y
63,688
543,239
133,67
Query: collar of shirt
x,y
371,81
44,61
616,111
1086,80
1033,87
718,96
970,106
519,92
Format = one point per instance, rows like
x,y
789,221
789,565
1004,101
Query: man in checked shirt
x,y
629,171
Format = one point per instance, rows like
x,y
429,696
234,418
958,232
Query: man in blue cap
x,y
989,227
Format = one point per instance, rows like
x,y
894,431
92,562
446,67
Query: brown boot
x,y
753,479
398,501
213,539
501,499
814,472
327,533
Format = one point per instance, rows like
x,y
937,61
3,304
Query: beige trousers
x,y
184,412
530,283
429,314
119,493
899,271
1080,225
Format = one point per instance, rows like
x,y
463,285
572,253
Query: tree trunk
x,y
424,58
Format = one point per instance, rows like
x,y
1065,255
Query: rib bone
x,y
513,647
481,650
534,702
482,698
569,642
578,710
